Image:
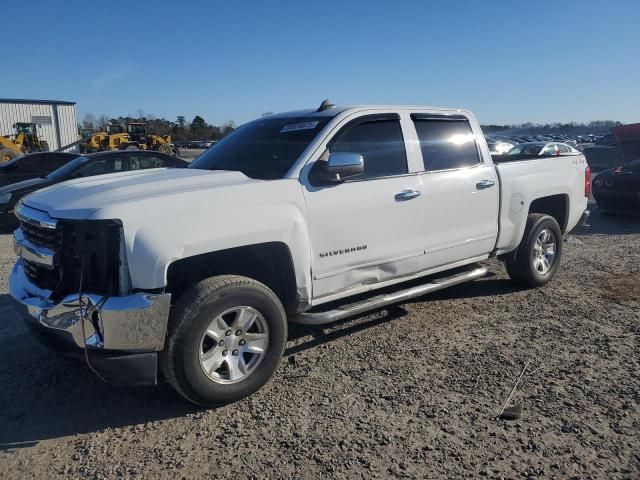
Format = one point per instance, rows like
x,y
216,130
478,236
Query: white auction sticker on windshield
x,y
299,126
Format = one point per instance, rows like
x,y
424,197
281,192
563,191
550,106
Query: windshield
x,y
525,150
264,149
67,169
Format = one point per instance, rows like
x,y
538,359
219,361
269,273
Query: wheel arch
x,y
270,263
556,206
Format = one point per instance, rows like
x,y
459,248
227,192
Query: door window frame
x,y
333,129
448,117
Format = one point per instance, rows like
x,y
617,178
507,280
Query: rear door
x,y
367,229
459,203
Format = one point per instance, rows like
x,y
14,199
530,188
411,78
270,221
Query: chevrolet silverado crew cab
x,y
308,216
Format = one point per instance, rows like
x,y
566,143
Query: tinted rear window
x,y
446,144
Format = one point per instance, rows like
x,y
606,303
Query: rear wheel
x,y
225,340
538,256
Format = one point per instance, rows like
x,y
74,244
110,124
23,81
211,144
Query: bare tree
x,y
89,121
102,122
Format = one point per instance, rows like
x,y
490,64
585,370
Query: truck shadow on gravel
x,y
46,396
486,287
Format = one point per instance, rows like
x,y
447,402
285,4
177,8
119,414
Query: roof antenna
x,y
325,105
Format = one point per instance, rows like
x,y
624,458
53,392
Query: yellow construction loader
x,y
138,138
111,139
135,138
25,140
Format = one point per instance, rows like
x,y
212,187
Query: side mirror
x,y
339,167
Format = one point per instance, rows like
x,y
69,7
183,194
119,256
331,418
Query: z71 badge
x,y
333,253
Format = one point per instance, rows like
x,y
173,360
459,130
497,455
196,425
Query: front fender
x,y
160,231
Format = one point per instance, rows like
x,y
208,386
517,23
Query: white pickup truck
x,y
197,271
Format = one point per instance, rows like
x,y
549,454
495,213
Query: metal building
x,y
56,120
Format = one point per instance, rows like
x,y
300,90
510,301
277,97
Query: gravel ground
x,y
410,391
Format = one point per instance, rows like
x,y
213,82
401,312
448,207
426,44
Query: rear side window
x,y
143,162
381,144
446,143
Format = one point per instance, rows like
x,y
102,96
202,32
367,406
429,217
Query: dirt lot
x,y
410,391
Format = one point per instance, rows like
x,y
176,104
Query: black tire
x,y
192,315
520,266
44,146
131,147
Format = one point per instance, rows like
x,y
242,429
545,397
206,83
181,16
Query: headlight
x,y
5,197
598,182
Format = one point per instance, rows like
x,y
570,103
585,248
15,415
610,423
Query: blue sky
x,y
508,61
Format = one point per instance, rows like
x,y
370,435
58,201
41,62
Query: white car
x,y
543,149
199,270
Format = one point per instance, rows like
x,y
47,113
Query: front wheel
x,y
225,340
537,258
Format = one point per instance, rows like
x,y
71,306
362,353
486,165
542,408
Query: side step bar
x,y
349,310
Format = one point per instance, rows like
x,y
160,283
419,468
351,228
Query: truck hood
x,y
78,199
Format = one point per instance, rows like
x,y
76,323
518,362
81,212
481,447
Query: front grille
x,y
44,237
97,242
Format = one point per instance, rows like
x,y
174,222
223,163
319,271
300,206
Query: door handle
x,y
407,195
485,184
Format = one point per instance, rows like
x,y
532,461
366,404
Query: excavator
x,y
25,140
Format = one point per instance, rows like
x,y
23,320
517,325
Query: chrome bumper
x,y
135,322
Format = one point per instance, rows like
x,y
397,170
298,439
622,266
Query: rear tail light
x,y
587,181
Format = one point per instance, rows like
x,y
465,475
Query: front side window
x,y
380,143
264,149
103,166
446,143
564,148
525,149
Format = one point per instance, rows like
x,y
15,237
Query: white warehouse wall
x,y
60,129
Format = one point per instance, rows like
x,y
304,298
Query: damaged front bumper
x,y
122,334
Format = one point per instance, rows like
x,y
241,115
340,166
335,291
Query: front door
x,y
368,229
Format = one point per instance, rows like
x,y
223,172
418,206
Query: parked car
x,y
33,165
618,189
542,149
294,216
83,166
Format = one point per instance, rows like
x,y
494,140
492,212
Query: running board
x,y
349,310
